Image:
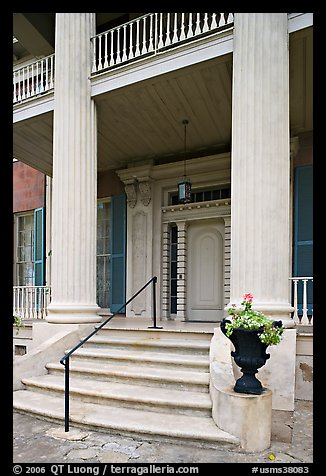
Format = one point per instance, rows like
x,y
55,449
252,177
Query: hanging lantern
x,y
184,190
184,185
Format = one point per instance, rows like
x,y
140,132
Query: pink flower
x,y
248,297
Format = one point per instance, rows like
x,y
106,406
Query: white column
x,y
74,175
260,239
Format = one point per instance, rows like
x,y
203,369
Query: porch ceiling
x,y
144,121
33,142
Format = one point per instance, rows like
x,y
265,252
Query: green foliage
x,y
271,332
18,322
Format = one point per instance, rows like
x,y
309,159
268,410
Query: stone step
x,y
159,344
180,335
143,357
125,395
174,378
125,421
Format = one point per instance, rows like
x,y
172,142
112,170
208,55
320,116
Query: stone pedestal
x,y
73,277
248,417
260,175
257,419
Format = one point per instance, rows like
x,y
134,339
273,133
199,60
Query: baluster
x,y
106,63
15,87
131,53
99,63
37,79
41,302
137,51
112,54
175,30
23,303
42,76
27,305
52,73
168,37
304,319
190,32
182,32
160,36
295,301
118,58
94,54
124,54
19,87
151,43
28,93
23,95
47,74
144,49
14,302
213,24
205,27
28,300
312,310
198,29
222,19
228,17
18,301
32,89
34,302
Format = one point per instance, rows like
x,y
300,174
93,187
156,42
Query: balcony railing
x,y
31,302
33,79
302,300
152,33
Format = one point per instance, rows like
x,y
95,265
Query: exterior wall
x,y
304,154
108,184
304,367
28,186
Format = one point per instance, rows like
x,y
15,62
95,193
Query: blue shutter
x,y
118,252
303,229
39,262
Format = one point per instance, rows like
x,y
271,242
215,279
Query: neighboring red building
x,y
29,230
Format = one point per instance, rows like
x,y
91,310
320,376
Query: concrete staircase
x,y
152,384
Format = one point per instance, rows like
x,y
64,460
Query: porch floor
x,y
166,324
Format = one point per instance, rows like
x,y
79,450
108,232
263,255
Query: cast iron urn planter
x,y
250,355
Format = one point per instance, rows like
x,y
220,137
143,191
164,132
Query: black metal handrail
x,y
65,359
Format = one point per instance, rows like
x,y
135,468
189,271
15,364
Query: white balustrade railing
x,y
31,302
302,300
151,33
33,79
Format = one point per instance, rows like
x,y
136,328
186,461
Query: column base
x,y
73,314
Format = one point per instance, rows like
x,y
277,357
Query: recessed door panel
x,y
205,271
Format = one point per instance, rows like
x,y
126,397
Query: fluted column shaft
x,y
260,213
74,174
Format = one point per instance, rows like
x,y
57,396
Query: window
x,y
103,254
25,250
205,195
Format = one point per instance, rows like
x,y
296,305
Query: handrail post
x,y
66,364
154,304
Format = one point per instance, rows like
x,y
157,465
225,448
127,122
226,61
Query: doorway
x,y
205,270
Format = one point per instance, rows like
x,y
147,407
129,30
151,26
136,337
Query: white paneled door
x,y
205,271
